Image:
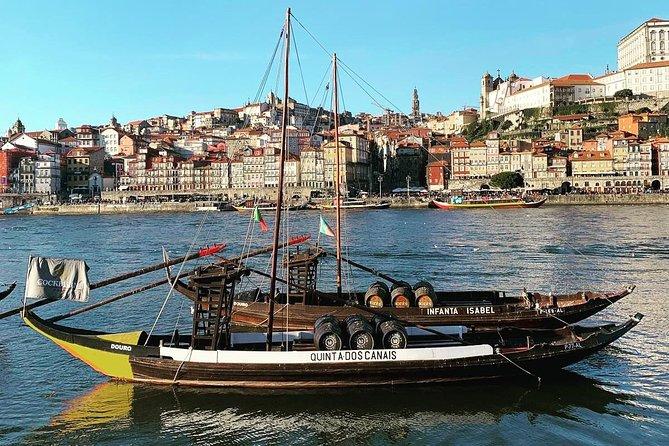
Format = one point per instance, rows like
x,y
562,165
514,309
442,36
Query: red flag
x,y
257,216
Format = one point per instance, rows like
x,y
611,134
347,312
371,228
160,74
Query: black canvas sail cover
x,y
57,279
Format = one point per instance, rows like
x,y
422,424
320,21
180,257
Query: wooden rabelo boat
x,y
359,351
420,304
496,203
471,308
356,204
293,362
250,205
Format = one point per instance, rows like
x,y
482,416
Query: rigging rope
x,y
299,64
263,81
181,267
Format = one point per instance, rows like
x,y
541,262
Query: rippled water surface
x,y
619,396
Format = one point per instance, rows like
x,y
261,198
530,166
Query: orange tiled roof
x,y
574,79
661,63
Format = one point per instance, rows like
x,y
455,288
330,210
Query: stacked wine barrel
x,y
328,334
357,333
425,296
400,295
390,333
377,295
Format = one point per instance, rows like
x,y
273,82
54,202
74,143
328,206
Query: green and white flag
x,y
324,228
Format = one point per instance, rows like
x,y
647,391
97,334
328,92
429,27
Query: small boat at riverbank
x,y
21,209
356,204
483,202
250,205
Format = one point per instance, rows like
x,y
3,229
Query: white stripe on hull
x,y
310,357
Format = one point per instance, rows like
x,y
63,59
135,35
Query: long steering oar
x,y
204,252
166,264
367,269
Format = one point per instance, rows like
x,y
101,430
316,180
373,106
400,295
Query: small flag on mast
x,y
324,228
257,216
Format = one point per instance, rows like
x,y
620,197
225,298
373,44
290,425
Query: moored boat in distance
x,y
356,204
21,209
248,206
482,202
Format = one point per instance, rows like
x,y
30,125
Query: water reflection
x,y
185,415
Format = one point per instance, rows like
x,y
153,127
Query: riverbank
x,y
607,199
170,207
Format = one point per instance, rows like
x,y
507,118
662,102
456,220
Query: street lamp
x,y
380,182
408,182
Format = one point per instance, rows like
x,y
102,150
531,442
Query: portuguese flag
x,y
257,216
324,228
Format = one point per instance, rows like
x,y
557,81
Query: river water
x,y
619,396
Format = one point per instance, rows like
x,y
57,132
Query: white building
x,y
253,170
61,124
312,168
109,139
499,97
292,171
237,174
453,123
219,175
47,173
650,78
25,141
649,42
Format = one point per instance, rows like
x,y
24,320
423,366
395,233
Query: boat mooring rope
x,y
512,362
176,374
520,367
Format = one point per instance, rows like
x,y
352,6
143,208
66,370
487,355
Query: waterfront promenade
x,y
397,203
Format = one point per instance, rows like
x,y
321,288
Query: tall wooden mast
x,y
338,171
279,194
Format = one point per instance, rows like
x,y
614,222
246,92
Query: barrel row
x,y
401,295
358,333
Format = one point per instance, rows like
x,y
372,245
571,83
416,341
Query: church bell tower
x,y
486,87
415,107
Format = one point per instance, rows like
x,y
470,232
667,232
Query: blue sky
x,y
85,60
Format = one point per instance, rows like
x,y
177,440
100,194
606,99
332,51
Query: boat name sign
x,y
125,348
449,311
354,355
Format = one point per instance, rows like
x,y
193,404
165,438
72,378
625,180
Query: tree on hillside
x,y
478,129
624,93
507,180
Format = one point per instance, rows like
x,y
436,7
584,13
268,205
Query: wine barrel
x,y
401,295
360,333
377,295
327,333
425,295
392,334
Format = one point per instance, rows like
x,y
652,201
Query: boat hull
x,y
371,206
303,369
491,204
474,314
